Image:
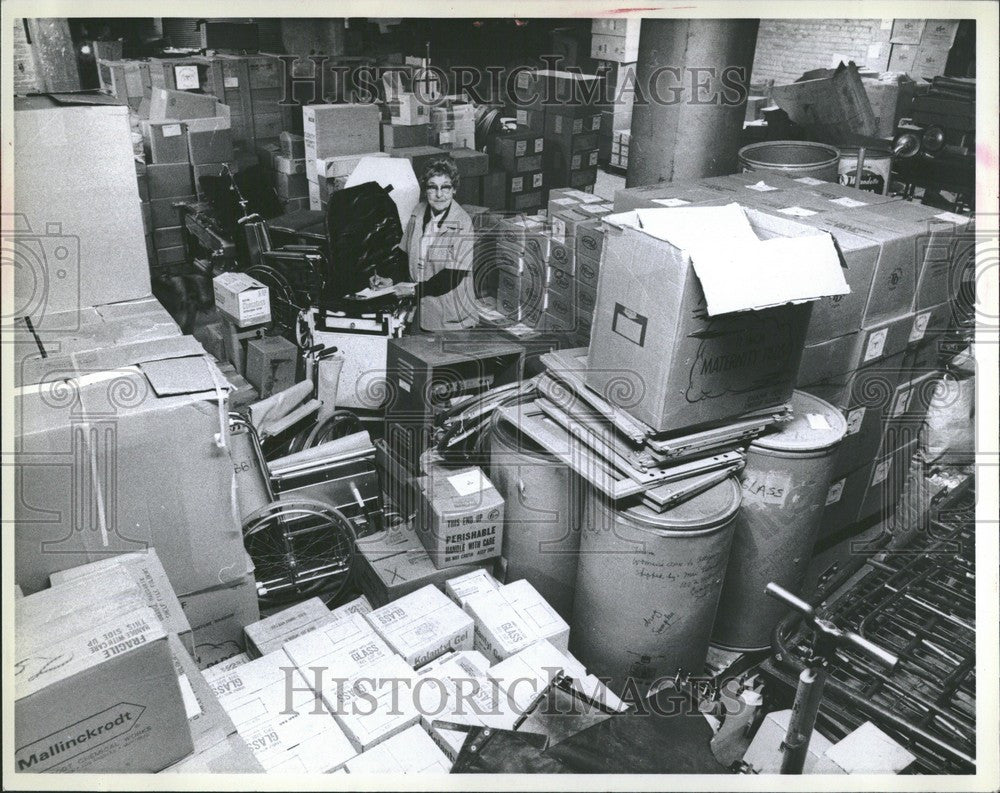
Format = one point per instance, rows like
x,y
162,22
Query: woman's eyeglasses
x,y
444,188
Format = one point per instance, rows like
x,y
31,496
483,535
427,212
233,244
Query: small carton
x,y
462,517
539,615
409,752
461,588
359,605
243,299
377,704
271,633
279,716
270,364
423,625
500,630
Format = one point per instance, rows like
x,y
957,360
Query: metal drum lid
x,y
707,510
815,425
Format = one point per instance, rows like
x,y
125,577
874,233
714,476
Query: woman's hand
x,y
378,282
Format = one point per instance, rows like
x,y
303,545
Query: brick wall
x,y
788,47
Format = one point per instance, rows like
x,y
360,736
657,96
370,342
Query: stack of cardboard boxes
x,y
290,180
872,352
336,137
615,45
516,179
619,149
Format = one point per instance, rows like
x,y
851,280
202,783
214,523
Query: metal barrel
x,y
648,586
785,483
792,158
542,504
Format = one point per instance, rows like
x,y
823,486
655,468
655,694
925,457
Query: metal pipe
x,y
803,719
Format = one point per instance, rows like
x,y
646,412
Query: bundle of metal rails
x,y
919,603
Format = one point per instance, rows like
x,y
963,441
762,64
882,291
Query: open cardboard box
x,y
125,452
702,312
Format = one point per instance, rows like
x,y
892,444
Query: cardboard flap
x,y
175,376
737,270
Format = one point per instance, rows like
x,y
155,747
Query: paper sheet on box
x,y
737,270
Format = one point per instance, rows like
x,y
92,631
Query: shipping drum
x,y
541,525
792,158
785,483
648,585
876,169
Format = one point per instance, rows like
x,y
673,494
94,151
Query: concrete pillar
x,y
693,75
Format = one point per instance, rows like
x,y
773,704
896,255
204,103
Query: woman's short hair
x,y
440,168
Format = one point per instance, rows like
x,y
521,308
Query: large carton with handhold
x,y
702,312
129,451
95,688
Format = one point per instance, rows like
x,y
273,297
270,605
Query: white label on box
x,y
558,124
577,126
522,116
854,420
186,77
818,421
517,184
902,402
919,326
876,343
881,472
575,162
595,123
834,493
231,82
170,130
761,187
539,145
797,212
772,488
951,217
671,202
536,180
850,203
592,160
468,482
810,180
559,225
191,706
520,148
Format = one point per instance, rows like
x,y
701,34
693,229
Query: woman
x,y
438,247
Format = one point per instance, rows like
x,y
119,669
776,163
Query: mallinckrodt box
x,y
243,299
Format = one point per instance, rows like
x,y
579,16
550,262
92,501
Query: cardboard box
x,y
229,664
166,104
359,605
461,520
332,130
423,625
408,109
289,165
170,255
276,713
169,237
501,630
377,704
494,189
293,147
164,212
620,49
211,142
287,187
169,180
335,167
403,136
461,693
231,756
218,617
244,300
146,571
394,563
271,633
461,588
113,706
511,146
470,163
271,364
827,360
409,752
78,209
726,359
167,141
420,157
540,616
828,107
164,502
